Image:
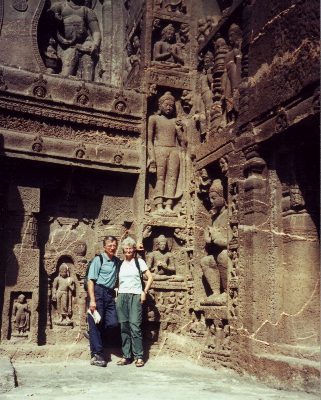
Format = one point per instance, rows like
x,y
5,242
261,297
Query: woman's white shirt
x,y
129,277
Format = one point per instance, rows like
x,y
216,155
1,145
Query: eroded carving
x,y
20,317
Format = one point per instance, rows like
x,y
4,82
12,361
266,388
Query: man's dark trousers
x,y
105,305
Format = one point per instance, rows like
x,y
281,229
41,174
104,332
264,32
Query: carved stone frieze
x,y
66,131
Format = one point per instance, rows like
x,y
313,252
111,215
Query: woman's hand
x,y
143,297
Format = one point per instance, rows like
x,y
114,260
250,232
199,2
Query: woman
x,y
131,296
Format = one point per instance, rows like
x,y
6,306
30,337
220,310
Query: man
x,y
165,132
101,283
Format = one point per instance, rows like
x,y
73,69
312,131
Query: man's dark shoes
x,y
98,361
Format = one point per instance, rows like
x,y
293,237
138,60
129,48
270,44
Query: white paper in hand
x,y
95,315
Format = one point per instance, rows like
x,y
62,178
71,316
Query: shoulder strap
x,y
140,272
118,264
101,262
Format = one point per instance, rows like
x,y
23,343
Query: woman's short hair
x,y
128,242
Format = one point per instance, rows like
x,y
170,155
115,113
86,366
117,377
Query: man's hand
x,y
92,306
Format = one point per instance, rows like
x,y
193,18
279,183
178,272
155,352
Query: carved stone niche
x,y
166,159
163,260
170,40
20,316
64,295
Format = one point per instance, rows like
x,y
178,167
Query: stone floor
x,y
162,377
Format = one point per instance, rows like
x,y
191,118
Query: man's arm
x,y
92,277
91,292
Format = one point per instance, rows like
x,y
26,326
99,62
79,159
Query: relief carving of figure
x,y
218,337
192,111
166,49
197,327
219,83
204,182
233,59
206,86
166,140
161,261
78,36
21,316
133,57
214,266
63,287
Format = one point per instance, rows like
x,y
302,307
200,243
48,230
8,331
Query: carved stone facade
x,y
190,125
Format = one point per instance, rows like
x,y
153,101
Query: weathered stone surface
x,y
7,375
191,126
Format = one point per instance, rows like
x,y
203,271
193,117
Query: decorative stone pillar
x,y
21,296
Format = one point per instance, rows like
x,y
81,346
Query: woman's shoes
x,y
123,361
139,363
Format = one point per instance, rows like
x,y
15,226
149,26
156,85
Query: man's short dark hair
x,y
110,238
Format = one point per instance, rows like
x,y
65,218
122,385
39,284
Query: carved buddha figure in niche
x,y
166,49
63,286
166,139
214,266
21,316
233,59
78,35
161,261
